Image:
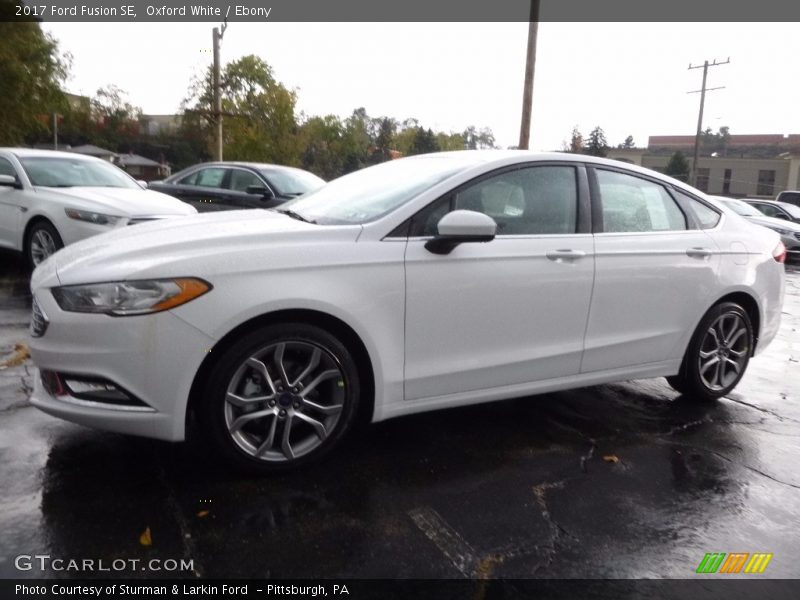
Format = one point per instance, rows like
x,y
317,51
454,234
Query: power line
x,y
702,91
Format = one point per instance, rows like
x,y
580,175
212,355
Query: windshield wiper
x,y
295,215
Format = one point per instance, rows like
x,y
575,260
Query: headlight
x,y
91,217
124,298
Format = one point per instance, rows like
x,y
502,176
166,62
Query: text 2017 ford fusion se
x,y
418,284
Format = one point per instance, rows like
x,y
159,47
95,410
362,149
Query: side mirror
x,y
9,181
459,227
260,190
142,183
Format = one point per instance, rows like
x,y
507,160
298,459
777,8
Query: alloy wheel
x,y
285,400
42,246
724,351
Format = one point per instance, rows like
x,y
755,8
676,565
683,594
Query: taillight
x,y
779,254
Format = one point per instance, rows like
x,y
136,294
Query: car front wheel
x,y
280,397
43,241
718,353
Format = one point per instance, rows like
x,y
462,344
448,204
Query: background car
x,y
789,196
422,283
49,199
789,231
776,210
236,185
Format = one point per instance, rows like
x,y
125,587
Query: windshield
x,y
52,171
743,208
292,182
371,193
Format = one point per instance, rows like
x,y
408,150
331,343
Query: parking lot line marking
x,y
447,539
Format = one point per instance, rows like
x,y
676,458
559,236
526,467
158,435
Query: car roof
x,y
31,152
238,163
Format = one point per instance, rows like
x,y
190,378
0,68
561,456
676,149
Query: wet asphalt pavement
x,y
613,481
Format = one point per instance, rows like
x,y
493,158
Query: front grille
x,y
39,320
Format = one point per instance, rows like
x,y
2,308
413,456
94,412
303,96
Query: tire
x,y
723,337
41,242
316,396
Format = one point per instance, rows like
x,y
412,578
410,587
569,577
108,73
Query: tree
x,y
678,166
628,143
383,140
424,142
324,142
597,146
476,139
260,122
576,142
31,74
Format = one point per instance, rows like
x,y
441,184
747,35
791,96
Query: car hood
x,y
120,202
182,247
773,222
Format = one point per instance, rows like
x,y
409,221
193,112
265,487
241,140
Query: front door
x,y
507,312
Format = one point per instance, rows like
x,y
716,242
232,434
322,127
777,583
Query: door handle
x,y
565,254
698,252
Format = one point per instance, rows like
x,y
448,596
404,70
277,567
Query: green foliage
x,y
678,166
715,142
31,73
598,145
259,122
628,143
475,139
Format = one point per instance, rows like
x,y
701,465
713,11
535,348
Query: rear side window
x,y
631,204
706,217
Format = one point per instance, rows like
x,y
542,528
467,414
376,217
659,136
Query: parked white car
x,y
50,199
422,283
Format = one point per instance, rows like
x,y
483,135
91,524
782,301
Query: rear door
x,y
655,272
205,189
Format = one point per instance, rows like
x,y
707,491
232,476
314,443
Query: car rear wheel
x,y
43,241
281,397
718,353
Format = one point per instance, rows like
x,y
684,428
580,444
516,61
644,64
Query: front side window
x,y
767,209
632,204
240,180
6,168
527,201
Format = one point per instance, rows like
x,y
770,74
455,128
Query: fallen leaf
x,y
146,539
611,458
203,513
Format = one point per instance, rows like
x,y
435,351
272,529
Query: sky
x,y
628,78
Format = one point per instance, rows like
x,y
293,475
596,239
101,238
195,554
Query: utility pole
x,y
55,131
702,91
530,63
217,38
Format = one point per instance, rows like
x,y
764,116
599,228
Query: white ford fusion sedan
x,y
422,283
50,199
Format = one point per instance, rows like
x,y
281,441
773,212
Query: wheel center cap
x,y
285,400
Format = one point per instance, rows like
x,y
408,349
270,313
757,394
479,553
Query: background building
x,y
758,166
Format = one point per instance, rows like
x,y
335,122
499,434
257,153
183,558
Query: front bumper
x,y
154,357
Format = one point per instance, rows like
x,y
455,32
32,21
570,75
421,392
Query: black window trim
x,y
583,219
